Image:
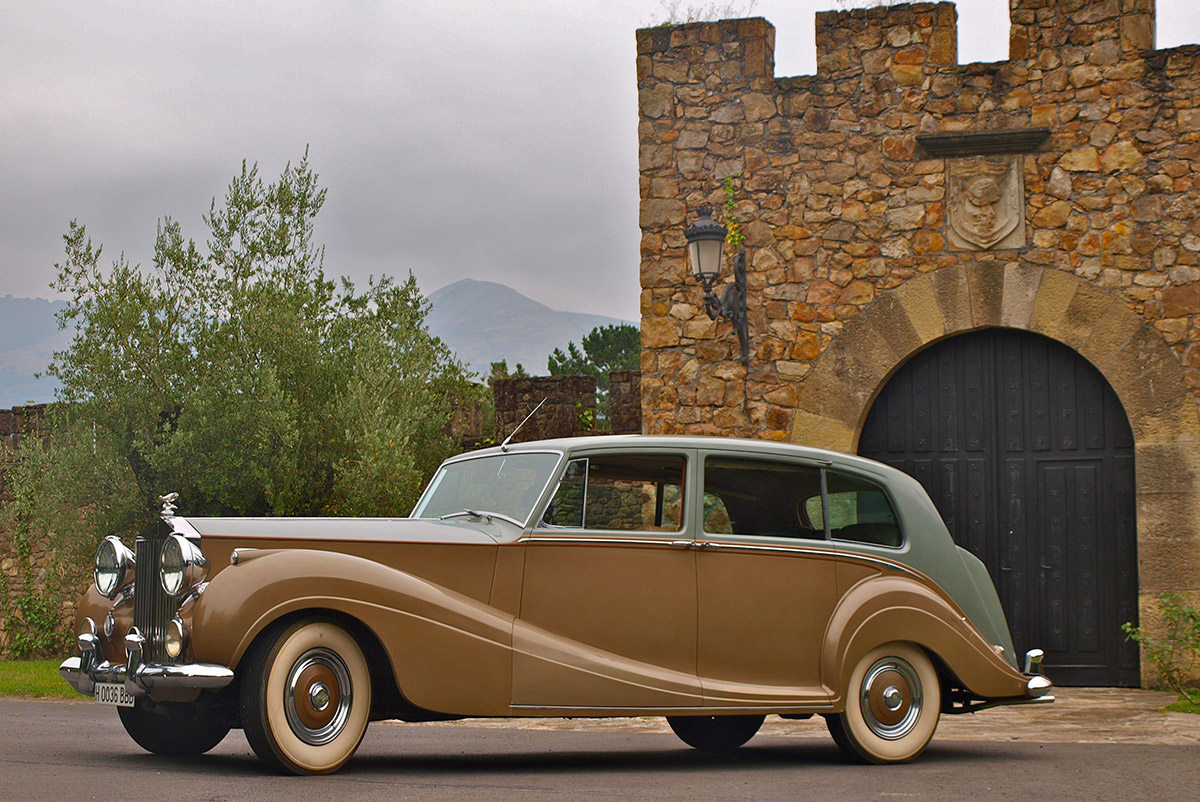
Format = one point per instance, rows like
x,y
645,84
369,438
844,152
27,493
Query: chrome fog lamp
x,y
114,567
175,640
182,565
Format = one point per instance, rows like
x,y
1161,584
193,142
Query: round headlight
x,y
176,639
114,567
182,566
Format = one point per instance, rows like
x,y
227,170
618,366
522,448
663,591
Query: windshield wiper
x,y
487,516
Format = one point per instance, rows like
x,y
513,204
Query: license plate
x,y
112,693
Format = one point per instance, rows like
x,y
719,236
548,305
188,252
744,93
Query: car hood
x,y
383,530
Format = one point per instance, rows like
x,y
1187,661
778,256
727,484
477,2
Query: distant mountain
x,y
481,321
29,336
484,322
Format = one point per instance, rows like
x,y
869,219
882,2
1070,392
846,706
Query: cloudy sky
x,y
458,139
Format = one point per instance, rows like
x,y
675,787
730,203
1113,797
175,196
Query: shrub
x,y
1176,653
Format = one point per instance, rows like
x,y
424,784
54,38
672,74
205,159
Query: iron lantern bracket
x,y
731,305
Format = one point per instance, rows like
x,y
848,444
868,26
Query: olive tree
x,y
237,374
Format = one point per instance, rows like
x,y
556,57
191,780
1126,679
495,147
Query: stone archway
x,y
1131,356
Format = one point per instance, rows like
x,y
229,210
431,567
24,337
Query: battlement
x,y
1109,29
901,38
907,41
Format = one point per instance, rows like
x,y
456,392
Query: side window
x,y
859,511
621,493
716,516
761,497
566,508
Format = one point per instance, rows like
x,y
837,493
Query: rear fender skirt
x,y
889,608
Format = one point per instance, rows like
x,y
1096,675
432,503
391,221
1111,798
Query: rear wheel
x,y
893,702
174,728
306,697
715,733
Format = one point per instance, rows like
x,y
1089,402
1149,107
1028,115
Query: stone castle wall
x,y
897,197
841,202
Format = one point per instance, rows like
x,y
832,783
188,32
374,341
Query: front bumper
x,y
139,679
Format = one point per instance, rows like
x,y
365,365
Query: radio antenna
x,y
512,434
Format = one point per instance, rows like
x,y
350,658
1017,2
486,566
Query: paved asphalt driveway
x,y
61,750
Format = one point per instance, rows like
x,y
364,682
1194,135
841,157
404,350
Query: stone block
x,y
1145,374
1055,293
953,292
1020,291
819,431
889,316
986,282
921,304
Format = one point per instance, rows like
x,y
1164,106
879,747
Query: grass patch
x,y
38,679
1183,705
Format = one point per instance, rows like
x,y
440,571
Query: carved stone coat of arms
x,y
986,200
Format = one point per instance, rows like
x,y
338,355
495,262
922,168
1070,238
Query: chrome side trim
x,y
792,551
801,707
605,541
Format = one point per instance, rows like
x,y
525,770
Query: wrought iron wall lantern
x,y
706,245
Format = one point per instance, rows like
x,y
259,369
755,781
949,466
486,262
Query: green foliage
x,y
605,349
1183,705
238,375
499,370
1176,653
734,237
35,627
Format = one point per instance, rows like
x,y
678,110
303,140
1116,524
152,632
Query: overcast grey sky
x,y
458,139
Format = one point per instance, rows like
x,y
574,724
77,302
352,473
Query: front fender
x,y
449,653
887,608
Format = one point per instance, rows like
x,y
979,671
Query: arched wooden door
x,y
1028,454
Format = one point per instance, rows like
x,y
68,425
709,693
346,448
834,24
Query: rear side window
x,y
620,493
760,497
859,511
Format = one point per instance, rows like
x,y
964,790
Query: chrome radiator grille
x,y
152,607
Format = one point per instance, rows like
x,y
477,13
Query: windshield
x,y
506,484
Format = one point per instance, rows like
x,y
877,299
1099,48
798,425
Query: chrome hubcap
x,y
318,696
890,698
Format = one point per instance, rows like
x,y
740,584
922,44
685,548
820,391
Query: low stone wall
x,y
569,409
625,401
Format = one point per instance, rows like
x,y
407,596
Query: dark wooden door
x,y
1028,454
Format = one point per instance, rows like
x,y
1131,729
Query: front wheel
x,y
715,733
893,702
306,697
175,728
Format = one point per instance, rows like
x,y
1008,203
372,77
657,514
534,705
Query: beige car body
x,y
479,616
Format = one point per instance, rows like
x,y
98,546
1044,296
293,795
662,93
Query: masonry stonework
x,y
871,195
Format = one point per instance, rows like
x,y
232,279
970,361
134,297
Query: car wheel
x,y
173,728
306,697
892,706
715,733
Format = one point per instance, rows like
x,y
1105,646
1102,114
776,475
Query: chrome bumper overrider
x,y
84,671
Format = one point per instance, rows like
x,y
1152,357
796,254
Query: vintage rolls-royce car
x,y
709,580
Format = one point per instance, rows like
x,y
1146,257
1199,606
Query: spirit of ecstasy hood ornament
x,y
168,501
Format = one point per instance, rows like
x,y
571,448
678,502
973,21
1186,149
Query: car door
x,y
608,600
766,582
